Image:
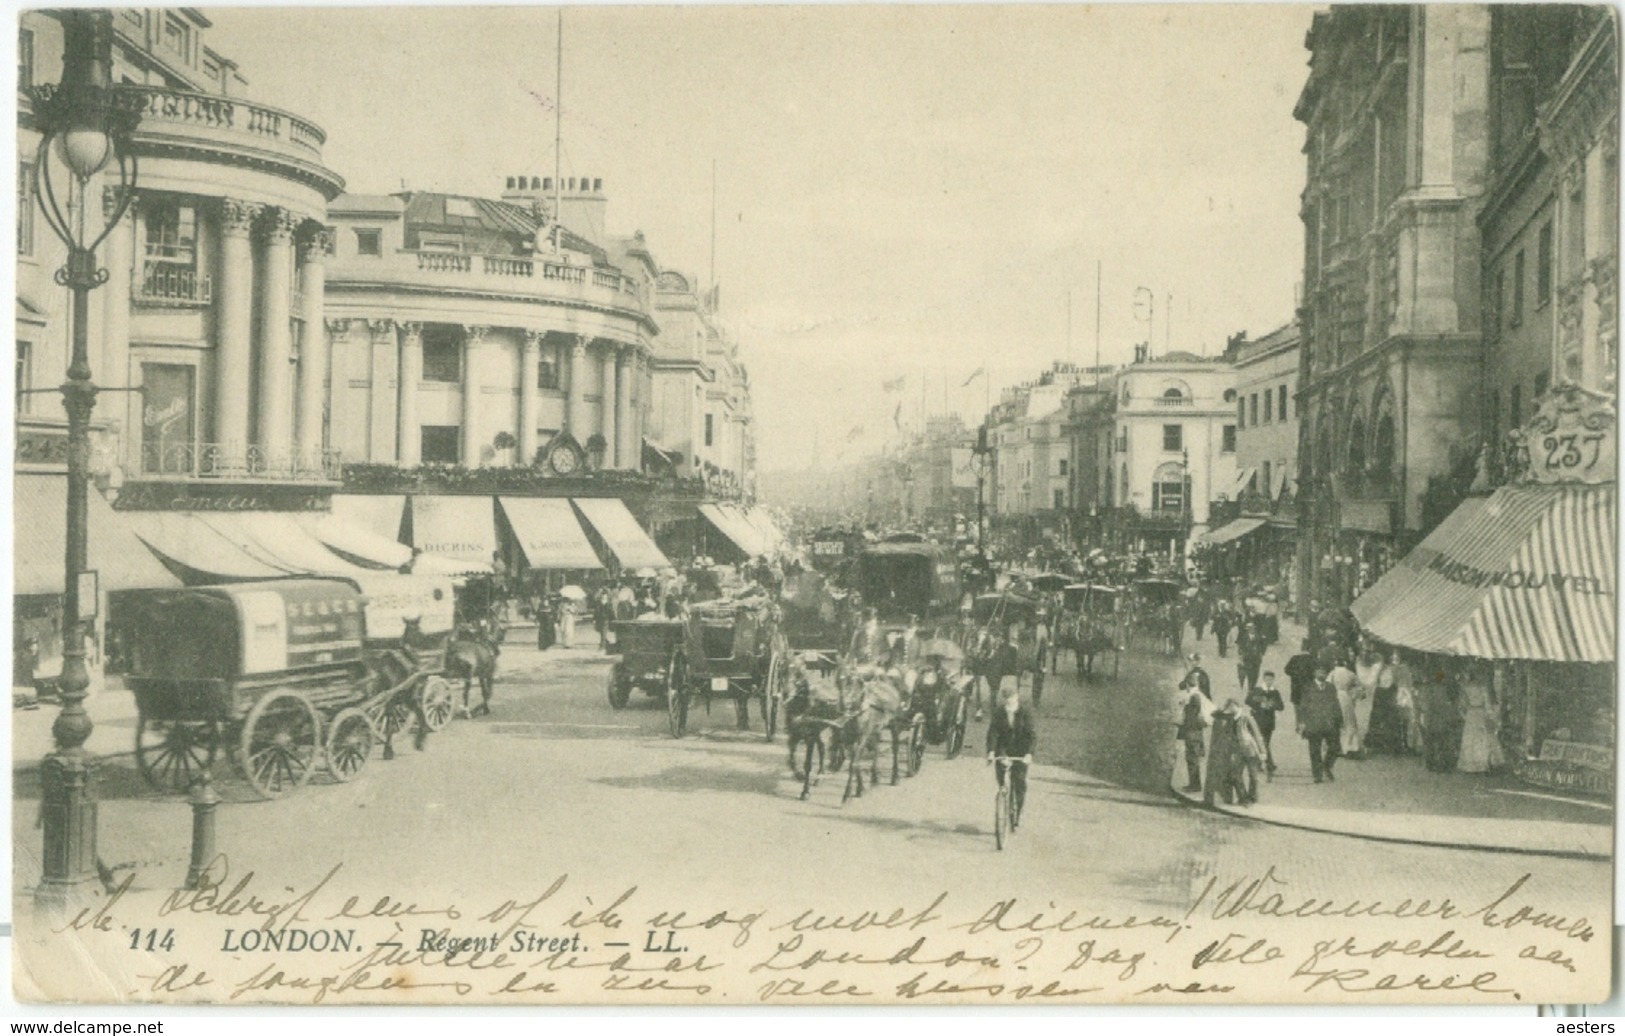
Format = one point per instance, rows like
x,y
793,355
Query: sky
x,y
900,192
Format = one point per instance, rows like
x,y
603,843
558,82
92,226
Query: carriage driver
x,y
1012,734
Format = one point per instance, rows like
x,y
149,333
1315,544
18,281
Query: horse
x,y
815,721
473,656
879,706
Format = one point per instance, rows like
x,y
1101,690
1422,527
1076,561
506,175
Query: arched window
x,y
1173,393
1382,448
1355,465
1168,488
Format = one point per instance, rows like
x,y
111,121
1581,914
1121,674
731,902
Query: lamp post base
x,y
68,815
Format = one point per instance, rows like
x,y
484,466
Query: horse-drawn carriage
x,y
284,675
1002,644
731,647
1157,612
1091,624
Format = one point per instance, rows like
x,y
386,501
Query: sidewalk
x,y
113,709
1397,798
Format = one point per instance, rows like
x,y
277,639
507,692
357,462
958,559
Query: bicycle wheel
x,y
1001,815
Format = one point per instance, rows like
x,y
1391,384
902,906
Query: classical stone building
x,y
1394,110
466,331
1550,221
701,415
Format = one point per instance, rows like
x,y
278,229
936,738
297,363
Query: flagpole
x,y
1097,317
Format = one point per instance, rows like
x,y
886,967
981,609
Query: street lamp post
x,y
85,126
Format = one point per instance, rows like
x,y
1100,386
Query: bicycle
x,y
1005,813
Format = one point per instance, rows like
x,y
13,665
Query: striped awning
x,y
1527,573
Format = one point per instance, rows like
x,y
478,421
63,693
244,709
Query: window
x,y
1062,468
1497,302
1269,406
171,234
547,374
1267,485
1229,395
1355,462
167,416
1241,412
1252,409
1280,408
1173,438
709,429
25,59
442,354
25,209
1122,484
1060,499
1229,438
1168,490
1517,289
175,36
440,444
1122,439
1382,449
369,242
1543,266
24,356
1542,381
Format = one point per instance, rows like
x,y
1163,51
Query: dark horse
x,y
473,656
815,721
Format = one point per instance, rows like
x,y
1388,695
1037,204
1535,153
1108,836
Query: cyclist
x,y
1012,734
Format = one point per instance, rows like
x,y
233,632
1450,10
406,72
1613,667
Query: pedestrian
x,y
1320,722
1235,756
1194,711
1480,729
1196,677
1224,620
1300,671
1441,722
1367,670
1410,713
567,623
1386,733
602,612
546,619
1347,686
1250,655
1265,701
1201,611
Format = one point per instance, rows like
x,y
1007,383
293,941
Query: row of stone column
x,y
288,424
621,426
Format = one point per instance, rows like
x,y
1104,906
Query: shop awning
x,y
39,512
356,543
621,532
1239,486
732,525
202,555
1230,532
549,533
379,515
758,539
279,539
458,530
764,524
1527,573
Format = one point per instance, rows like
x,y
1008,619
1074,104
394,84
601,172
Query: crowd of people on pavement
x,y
1351,697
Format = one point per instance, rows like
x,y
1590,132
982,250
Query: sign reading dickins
x,y
1572,437
460,527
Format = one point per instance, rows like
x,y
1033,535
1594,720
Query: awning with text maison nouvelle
x,y
1527,573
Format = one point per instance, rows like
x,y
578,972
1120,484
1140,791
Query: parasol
x,y
573,592
946,650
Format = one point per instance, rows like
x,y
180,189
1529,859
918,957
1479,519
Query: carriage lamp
x,y
86,128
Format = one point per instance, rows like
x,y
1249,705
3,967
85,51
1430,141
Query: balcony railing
x,y
208,111
207,460
1173,401
162,284
496,273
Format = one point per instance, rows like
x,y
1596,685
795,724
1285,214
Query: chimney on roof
x,y
582,205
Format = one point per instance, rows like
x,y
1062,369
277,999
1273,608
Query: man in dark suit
x,y
1300,670
1012,734
1320,721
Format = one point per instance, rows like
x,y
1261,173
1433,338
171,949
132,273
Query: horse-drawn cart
x,y
651,650
1093,624
281,675
732,648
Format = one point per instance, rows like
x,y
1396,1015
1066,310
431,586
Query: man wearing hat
x,y
1196,678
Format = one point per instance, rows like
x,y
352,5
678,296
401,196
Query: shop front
x,y
1523,581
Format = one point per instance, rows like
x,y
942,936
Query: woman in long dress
x,y
1387,732
1480,748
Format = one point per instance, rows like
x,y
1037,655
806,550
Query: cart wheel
x,y
677,694
771,688
620,689
435,699
350,740
916,746
171,753
281,739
